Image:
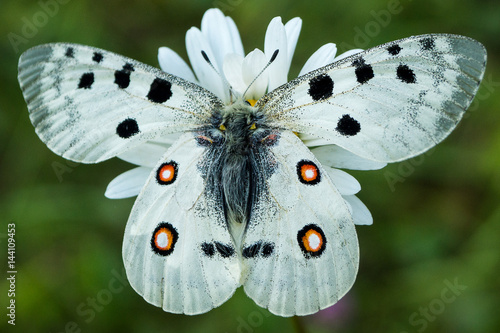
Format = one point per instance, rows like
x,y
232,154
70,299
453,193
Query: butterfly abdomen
x,y
236,168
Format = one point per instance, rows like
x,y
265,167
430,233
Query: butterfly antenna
x,y
207,59
273,57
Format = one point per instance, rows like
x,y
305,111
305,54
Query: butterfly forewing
x,y
388,103
89,105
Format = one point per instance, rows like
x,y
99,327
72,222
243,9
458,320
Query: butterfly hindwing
x,y
89,105
177,249
387,103
300,250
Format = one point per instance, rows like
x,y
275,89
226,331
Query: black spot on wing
x,y
86,81
70,52
208,249
348,126
264,249
320,87
128,67
363,71
122,76
267,250
224,250
252,250
160,91
405,74
394,49
127,128
97,57
427,44
122,79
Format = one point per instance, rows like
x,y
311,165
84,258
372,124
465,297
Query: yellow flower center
x,y
252,101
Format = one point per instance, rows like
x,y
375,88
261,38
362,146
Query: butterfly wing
x,y
177,249
387,103
89,105
300,250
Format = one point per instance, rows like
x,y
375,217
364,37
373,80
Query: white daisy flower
x,y
220,41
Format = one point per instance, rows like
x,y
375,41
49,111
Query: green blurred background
x,y
430,262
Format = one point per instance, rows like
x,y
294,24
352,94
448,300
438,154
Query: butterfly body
x,y
236,142
238,198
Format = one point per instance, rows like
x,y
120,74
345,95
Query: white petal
x,y
253,64
276,40
166,140
360,213
146,154
292,29
348,54
344,182
207,77
128,184
312,141
337,157
233,71
172,63
322,57
235,37
218,35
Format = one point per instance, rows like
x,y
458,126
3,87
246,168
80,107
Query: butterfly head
x,y
238,128
239,122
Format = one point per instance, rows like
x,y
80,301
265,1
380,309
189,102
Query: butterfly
x,y
238,199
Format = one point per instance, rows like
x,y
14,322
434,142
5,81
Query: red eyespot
x,y
312,241
308,172
164,239
167,173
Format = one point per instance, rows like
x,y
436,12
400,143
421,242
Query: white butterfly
x,y
238,199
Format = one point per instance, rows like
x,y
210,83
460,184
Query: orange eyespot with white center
x,y
308,172
164,238
166,173
312,241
